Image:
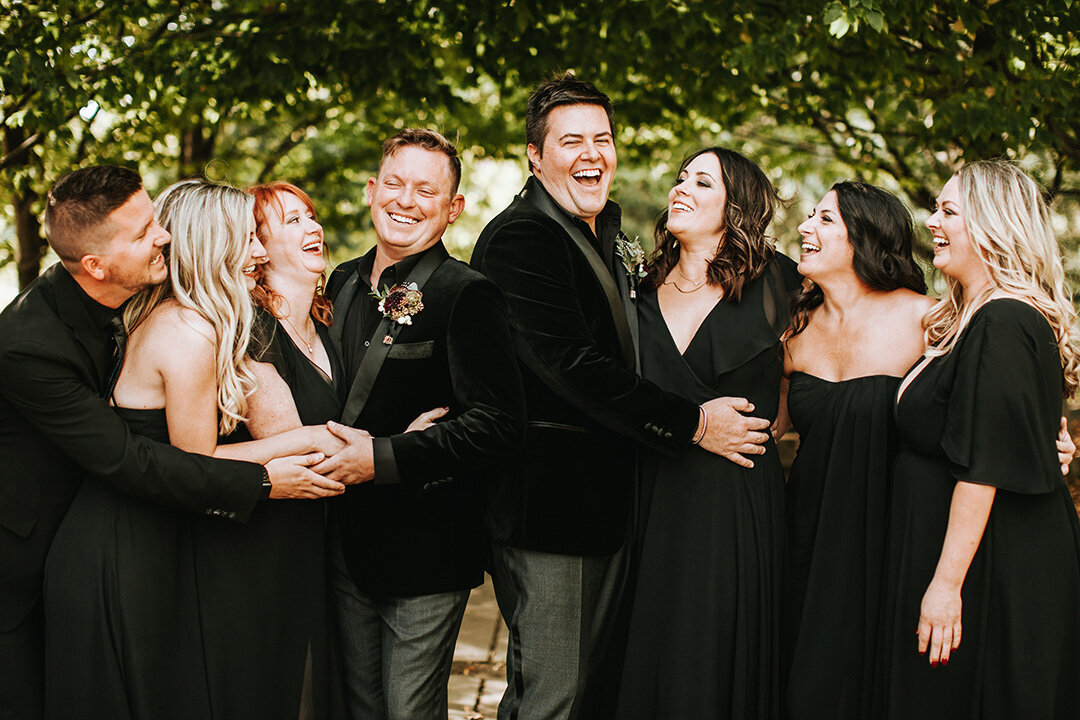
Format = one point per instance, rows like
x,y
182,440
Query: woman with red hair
x,y
262,585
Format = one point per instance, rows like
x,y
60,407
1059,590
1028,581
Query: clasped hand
x,y
731,434
350,456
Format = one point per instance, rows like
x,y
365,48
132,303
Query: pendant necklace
x,y
309,345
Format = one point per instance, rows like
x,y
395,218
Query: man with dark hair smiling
x,y
559,516
61,347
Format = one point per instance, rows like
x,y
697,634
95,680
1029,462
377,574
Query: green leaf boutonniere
x,y
633,259
400,303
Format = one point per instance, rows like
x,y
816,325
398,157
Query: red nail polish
x,y
933,663
944,662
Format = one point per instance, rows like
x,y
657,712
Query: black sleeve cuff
x,y
386,469
267,486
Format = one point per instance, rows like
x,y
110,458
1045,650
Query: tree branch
x,y
293,138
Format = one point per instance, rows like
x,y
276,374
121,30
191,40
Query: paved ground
x,y
479,675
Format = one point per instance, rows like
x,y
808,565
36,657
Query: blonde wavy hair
x,y
210,224
1008,224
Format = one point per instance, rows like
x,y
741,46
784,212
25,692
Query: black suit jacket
x,y
55,427
569,489
423,534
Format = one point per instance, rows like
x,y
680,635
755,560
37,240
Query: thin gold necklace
x,y
697,284
309,345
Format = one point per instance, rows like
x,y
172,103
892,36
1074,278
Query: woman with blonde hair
x,y
982,614
135,616
269,631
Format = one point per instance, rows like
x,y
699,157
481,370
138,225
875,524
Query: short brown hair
x,y
80,202
565,89
428,140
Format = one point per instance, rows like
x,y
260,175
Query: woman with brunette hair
x,y
982,594
128,580
703,632
856,329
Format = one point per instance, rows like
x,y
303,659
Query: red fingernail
x,y
944,662
933,663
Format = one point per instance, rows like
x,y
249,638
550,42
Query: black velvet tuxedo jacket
x,y
55,428
569,490
423,534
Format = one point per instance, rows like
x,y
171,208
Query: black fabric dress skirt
x,y
986,413
703,639
262,586
837,509
121,613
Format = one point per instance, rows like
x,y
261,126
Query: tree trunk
x,y
30,245
196,150
30,248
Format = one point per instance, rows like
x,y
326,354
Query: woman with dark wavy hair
x,y
703,629
856,329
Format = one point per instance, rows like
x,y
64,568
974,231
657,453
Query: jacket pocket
x,y
16,518
411,351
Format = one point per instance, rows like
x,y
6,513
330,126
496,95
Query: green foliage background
x,y
894,92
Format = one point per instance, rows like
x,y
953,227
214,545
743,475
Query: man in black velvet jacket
x,y
407,547
558,516
58,358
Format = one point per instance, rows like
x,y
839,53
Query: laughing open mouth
x,y
591,176
681,206
809,248
403,219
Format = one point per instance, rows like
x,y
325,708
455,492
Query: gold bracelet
x,y
699,436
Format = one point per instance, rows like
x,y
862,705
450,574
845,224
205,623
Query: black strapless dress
x,y
837,508
121,612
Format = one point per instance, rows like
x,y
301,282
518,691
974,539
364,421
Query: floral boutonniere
x,y
400,303
633,259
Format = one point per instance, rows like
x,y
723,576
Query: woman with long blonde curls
x,y
982,615
272,658
136,609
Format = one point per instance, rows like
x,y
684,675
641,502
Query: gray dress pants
x,y
559,610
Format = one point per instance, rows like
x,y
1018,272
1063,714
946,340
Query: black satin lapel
x,y
376,353
540,200
629,298
342,302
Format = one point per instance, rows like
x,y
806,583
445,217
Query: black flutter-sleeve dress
x,y
986,413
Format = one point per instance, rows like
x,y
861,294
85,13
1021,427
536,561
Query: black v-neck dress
x,y
986,413
703,638
262,585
